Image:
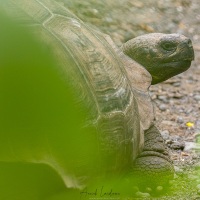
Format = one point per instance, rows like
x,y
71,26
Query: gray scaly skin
x,y
163,56
153,167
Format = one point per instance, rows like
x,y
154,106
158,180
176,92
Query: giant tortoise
x,y
112,83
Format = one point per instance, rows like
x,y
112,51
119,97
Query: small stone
x,y
165,134
189,111
162,97
175,137
163,107
171,95
195,157
153,96
108,20
197,97
181,110
178,96
191,146
170,81
176,84
178,146
180,120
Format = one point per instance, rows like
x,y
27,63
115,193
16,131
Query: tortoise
x,y
112,83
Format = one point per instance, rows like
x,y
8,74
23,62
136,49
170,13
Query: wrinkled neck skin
x,y
163,55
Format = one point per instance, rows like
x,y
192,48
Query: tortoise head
x,y
163,55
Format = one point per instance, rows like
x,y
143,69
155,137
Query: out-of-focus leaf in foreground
x,y
40,122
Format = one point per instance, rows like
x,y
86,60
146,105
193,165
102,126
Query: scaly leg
x,y
153,166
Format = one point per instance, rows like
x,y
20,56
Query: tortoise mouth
x,y
178,66
189,58
169,69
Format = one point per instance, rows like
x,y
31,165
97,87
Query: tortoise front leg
x,y
153,166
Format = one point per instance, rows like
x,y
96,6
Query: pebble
x,y
153,96
181,110
177,145
108,20
195,156
190,146
165,134
175,137
180,120
197,97
177,84
163,107
189,111
178,96
162,97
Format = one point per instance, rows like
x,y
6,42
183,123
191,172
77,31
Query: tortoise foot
x,y
152,172
153,168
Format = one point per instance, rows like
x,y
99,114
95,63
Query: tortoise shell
x,y
113,87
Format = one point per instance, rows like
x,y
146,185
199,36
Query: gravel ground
x,y
177,100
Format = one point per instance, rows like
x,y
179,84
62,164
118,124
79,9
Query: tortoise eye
x,y
168,46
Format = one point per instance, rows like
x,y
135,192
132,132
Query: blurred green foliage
x,y
39,119
34,99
